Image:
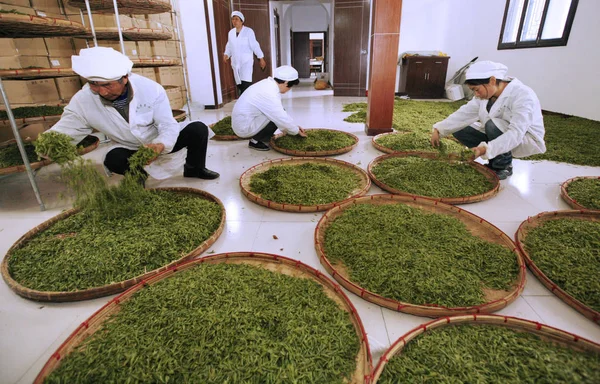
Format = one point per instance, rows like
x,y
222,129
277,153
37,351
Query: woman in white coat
x,y
241,46
509,115
132,111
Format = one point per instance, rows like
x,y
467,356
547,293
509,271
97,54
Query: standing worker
x,y
241,45
510,117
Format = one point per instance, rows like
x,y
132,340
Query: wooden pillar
x,y
385,37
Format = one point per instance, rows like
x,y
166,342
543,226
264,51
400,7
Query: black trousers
x,y
194,136
266,133
242,87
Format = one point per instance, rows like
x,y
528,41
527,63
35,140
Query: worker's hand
x,y
225,58
301,132
157,148
263,63
478,151
435,138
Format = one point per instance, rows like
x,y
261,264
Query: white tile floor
x,y
30,332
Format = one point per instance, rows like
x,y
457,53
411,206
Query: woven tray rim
x,y
568,199
428,310
125,6
331,152
534,221
226,138
42,163
565,338
181,115
247,175
489,174
134,34
93,323
30,120
68,27
35,73
108,289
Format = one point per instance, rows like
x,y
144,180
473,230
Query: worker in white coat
x,y
259,112
241,48
132,111
503,120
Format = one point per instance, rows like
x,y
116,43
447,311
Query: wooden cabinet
x,y
423,76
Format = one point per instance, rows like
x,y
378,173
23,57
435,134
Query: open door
x,y
301,54
256,15
222,26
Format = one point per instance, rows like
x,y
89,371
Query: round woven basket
x,y
533,222
40,164
489,174
331,152
179,115
476,225
568,199
30,120
546,332
35,73
390,150
226,138
125,6
135,34
262,167
270,262
109,289
17,25
155,62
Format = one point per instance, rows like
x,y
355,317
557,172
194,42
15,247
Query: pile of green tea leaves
x,y
409,115
305,184
222,323
418,141
586,192
488,354
25,112
567,251
223,127
317,140
431,177
570,139
10,155
57,146
409,255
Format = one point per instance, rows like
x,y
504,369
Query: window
x,y
536,23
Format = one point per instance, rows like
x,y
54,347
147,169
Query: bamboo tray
x,y
270,262
547,332
537,220
489,174
109,289
179,115
476,225
262,167
42,163
226,138
17,25
21,122
125,6
135,34
155,62
568,199
390,150
331,152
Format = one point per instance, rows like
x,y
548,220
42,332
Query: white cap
x,y
285,73
238,14
101,64
485,70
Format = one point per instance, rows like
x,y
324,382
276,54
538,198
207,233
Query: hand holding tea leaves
x,y
301,132
157,148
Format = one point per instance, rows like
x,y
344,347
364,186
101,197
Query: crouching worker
x,y
132,111
509,114
259,112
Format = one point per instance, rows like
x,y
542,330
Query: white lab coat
x,y
517,113
150,121
258,105
240,49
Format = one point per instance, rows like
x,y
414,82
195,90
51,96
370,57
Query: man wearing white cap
x,y
259,112
509,116
132,111
241,45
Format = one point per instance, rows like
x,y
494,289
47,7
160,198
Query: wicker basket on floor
x,y
125,6
179,115
271,262
533,222
246,177
17,25
478,226
565,194
547,332
489,175
108,289
330,152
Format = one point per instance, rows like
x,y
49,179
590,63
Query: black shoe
x,y
200,173
501,173
258,145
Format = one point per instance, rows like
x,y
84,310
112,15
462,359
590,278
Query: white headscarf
x,y
486,69
238,14
285,73
101,64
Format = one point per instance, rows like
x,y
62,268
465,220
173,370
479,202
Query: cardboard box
x,y
163,76
175,97
20,3
149,73
61,46
80,44
47,6
28,133
105,20
23,47
176,74
165,18
172,48
159,49
60,62
67,87
144,49
39,91
24,62
16,8
139,21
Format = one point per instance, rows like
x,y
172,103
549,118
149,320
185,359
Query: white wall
x,y
564,78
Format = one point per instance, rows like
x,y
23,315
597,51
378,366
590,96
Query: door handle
x,y
363,51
